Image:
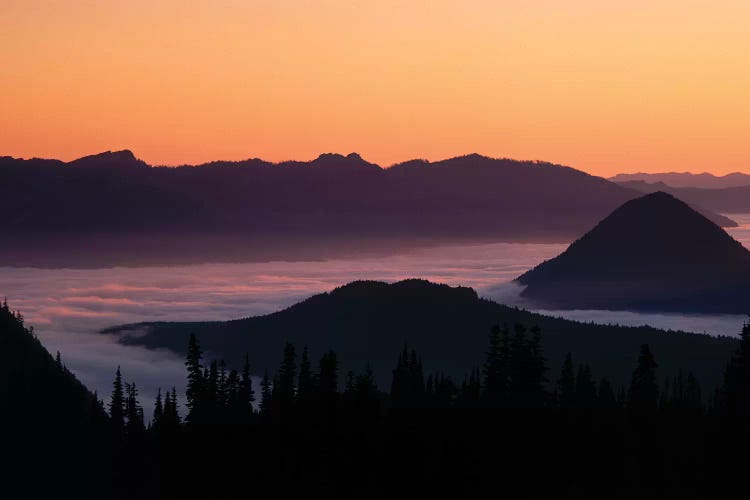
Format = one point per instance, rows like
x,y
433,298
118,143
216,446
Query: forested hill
x,y
367,322
54,430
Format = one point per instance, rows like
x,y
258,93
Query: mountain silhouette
x,y
109,160
49,419
652,253
112,208
729,200
687,179
365,322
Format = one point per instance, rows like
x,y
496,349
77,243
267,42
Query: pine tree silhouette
x,y
495,369
265,395
196,382
285,390
585,389
644,391
247,394
306,385
606,395
735,393
134,426
117,404
566,384
157,420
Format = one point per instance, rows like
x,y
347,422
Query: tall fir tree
x,y
195,384
306,384
566,384
585,397
265,395
287,376
328,375
693,394
117,403
606,395
495,381
157,420
735,393
247,394
134,426
643,395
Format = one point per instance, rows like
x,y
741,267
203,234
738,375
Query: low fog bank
x,y
712,324
68,306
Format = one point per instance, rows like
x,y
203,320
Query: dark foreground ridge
x,y
515,424
653,253
53,430
366,322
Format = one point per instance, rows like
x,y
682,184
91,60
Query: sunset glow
x,y
606,87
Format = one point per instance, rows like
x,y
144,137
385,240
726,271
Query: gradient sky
x,y
604,86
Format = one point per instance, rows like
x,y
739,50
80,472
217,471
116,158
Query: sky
x,y
606,87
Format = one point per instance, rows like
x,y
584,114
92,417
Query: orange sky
x,y
605,86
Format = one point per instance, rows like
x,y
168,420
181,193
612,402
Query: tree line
x,y
510,425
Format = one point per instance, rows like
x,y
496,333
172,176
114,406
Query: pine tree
x,y
665,402
644,391
445,390
606,396
400,381
134,425
306,385
416,376
536,368
233,398
171,416
365,394
286,388
247,395
221,389
566,384
58,361
735,393
156,422
117,404
213,408
429,388
693,395
585,388
328,375
494,371
265,395
196,381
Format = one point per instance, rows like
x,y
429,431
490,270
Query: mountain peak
x,y
407,287
653,252
338,161
123,158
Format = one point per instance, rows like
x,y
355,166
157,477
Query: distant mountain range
x,y
687,179
732,200
652,253
369,322
112,208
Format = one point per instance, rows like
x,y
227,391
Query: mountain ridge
x,y
705,180
368,322
231,211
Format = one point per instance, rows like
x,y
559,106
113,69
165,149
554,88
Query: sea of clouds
x,y
68,307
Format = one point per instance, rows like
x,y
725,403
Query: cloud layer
x,y
68,306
